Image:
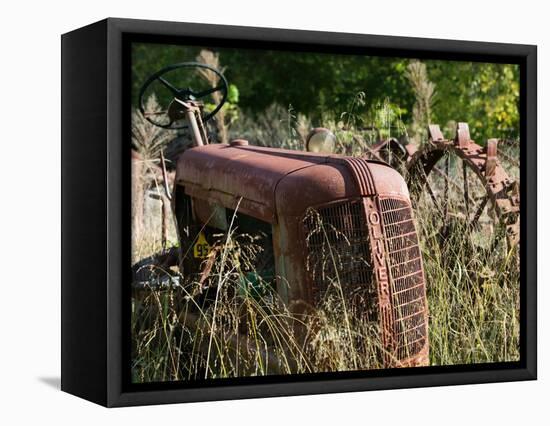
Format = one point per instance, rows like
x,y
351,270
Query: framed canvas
x,y
254,212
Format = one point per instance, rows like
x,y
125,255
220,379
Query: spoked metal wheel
x,y
466,184
468,188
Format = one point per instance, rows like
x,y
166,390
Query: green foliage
x,y
233,94
484,95
326,86
230,108
387,119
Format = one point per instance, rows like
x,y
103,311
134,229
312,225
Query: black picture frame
x,y
95,212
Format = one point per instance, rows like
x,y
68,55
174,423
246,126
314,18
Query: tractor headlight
x,y
321,140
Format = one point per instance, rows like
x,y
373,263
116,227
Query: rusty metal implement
x,y
500,191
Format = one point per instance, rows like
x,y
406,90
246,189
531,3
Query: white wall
x,y
30,209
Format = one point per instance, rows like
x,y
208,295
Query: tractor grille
x,y
339,253
408,292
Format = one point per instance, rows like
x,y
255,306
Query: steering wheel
x,y
182,95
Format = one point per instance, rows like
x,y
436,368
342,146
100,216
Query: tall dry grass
x,y
234,325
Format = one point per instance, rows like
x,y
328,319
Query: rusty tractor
x,y
303,204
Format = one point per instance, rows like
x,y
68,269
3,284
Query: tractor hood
x,y
268,182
